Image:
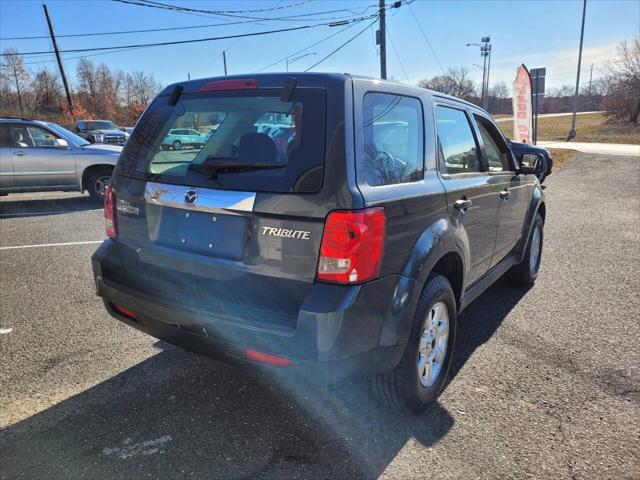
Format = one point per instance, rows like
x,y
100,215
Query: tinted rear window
x,y
179,144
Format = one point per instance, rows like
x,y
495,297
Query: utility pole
x,y
383,41
55,48
572,133
224,60
590,79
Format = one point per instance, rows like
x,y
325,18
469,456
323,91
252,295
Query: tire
x,y
177,145
526,272
406,388
97,182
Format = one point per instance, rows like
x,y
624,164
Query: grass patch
x,y
590,128
562,156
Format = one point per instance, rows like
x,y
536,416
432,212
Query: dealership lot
x,y
544,383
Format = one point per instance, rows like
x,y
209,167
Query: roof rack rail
x,y
11,117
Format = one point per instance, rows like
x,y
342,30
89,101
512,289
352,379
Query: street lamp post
x,y
295,59
485,52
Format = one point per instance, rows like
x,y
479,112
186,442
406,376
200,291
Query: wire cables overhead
x,y
426,39
180,42
341,46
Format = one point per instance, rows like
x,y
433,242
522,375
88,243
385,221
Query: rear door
x,y
473,204
236,243
513,190
6,163
37,161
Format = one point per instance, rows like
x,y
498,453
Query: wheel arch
x,y
90,170
439,250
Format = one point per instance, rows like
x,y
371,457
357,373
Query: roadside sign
x,y
537,95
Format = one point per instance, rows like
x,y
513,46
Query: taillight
x,y
110,213
352,246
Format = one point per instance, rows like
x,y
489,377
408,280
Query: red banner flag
x,y
522,111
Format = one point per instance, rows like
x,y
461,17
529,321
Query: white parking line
x,y
16,247
30,214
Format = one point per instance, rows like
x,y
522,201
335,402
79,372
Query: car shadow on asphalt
x,y
178,415
14,206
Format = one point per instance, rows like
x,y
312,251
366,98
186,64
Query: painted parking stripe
x,y
55,212
44,245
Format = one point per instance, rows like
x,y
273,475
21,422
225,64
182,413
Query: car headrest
x,y
257,147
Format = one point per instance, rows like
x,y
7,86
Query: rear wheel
x,y
421,374
97,184
526,272
177,145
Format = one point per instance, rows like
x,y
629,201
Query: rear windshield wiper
x,y
214,165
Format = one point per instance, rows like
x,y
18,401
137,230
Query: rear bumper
x,y
341,330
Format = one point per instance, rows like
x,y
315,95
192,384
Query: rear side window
x,y
238,140
394,140
457,144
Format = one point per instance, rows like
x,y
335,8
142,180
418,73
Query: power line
x,y
341,46
393,45
426,39
298,18
179,42
189,27
259,10
307,47
124,32
118,50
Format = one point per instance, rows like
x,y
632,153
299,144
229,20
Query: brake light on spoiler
x,y
237,84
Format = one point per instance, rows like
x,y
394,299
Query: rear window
x,y
231,140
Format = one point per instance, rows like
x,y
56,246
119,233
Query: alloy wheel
x,y
433,344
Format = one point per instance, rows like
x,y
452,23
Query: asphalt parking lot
x,y
545,382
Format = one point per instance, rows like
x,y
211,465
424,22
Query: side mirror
x,y
531,163
61,143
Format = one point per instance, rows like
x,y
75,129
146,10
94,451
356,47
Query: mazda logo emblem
x,y
191,196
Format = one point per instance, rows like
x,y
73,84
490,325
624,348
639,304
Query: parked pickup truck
x,y
42,156
101,131
393,208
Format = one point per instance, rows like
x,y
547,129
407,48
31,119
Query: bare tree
x,y
12,68
139,89
455,82
47,93
622,82
87,84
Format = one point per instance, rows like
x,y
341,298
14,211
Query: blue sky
x,y
537,33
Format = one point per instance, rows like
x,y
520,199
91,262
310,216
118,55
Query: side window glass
x,y
496,153
41,138
393,139
5,137
457,144
20,137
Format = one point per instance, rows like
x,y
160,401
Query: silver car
x,y
42,156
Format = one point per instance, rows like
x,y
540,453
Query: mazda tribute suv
x,y
349,250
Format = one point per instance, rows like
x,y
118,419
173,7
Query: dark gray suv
x,y
349,249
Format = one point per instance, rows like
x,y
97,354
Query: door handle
x,y
462,204
20,153
505,194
